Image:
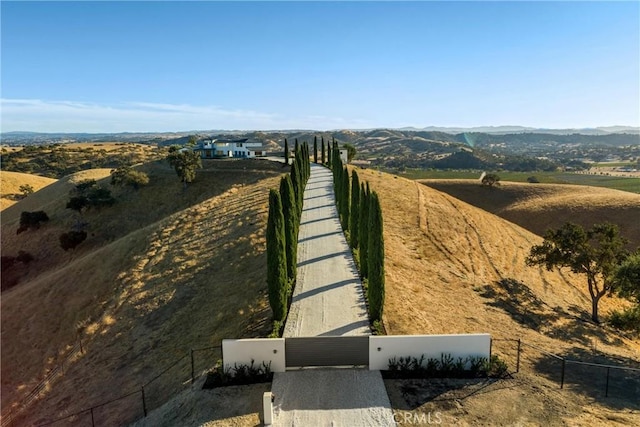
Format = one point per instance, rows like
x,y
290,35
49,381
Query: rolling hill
x,y
538,207
11,181
164,271
454,268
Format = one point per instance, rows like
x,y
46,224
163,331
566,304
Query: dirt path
x,y
328,300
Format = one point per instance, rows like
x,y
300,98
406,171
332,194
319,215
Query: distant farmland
x,y
614,182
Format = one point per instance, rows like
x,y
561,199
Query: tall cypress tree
x,y
276,258
286,152
323,158
364,229
290,212
304,161
308,160
301,182
297,185
354,219
375,270
329,158
344,190
315,149
336,161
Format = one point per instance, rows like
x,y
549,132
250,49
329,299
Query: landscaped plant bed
x,y
445,367
243,374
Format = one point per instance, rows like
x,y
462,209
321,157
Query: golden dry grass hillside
x,y
166,270
10,183
454,268
538,207
163,271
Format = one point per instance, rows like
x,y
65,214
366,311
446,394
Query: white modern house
x,y
210,148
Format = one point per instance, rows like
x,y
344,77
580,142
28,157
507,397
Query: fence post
x,y
144,403
518,356
562,375
606,391
490,347
93,422
192,368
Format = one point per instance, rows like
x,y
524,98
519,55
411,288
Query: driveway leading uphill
x,y
328,301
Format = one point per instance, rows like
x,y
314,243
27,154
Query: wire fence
x,y
598,380
596,375
131,405
43,385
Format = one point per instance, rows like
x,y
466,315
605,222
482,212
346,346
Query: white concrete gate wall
x,y
381,349
242,352
384,347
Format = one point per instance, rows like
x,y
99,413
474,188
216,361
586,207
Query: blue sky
x,y
176,66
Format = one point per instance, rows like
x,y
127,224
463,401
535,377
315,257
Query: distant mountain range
x,y
503,130
492,130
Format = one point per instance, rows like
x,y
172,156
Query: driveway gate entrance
x,y
327,351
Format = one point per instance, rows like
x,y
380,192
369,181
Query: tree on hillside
x,y
85,185
25,190
99,197
490,180
626,282
595,253
77,203
289,210
375,270
626,277
31,220
277,282
72,239
185,162
127,176
193,140
88,194
355,210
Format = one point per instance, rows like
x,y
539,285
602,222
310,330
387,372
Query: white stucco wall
x,y
384,347
344,155
257,349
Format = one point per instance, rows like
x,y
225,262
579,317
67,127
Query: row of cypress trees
x,y
283,224
361,218
322,149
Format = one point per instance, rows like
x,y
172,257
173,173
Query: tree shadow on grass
x,y
573,324
515,298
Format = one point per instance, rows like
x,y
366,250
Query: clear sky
x,y
177,66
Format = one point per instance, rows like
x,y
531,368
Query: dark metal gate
x,y
327,351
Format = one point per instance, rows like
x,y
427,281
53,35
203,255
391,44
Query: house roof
x,y
223,141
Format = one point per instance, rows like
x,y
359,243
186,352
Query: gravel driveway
x,y
328,300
